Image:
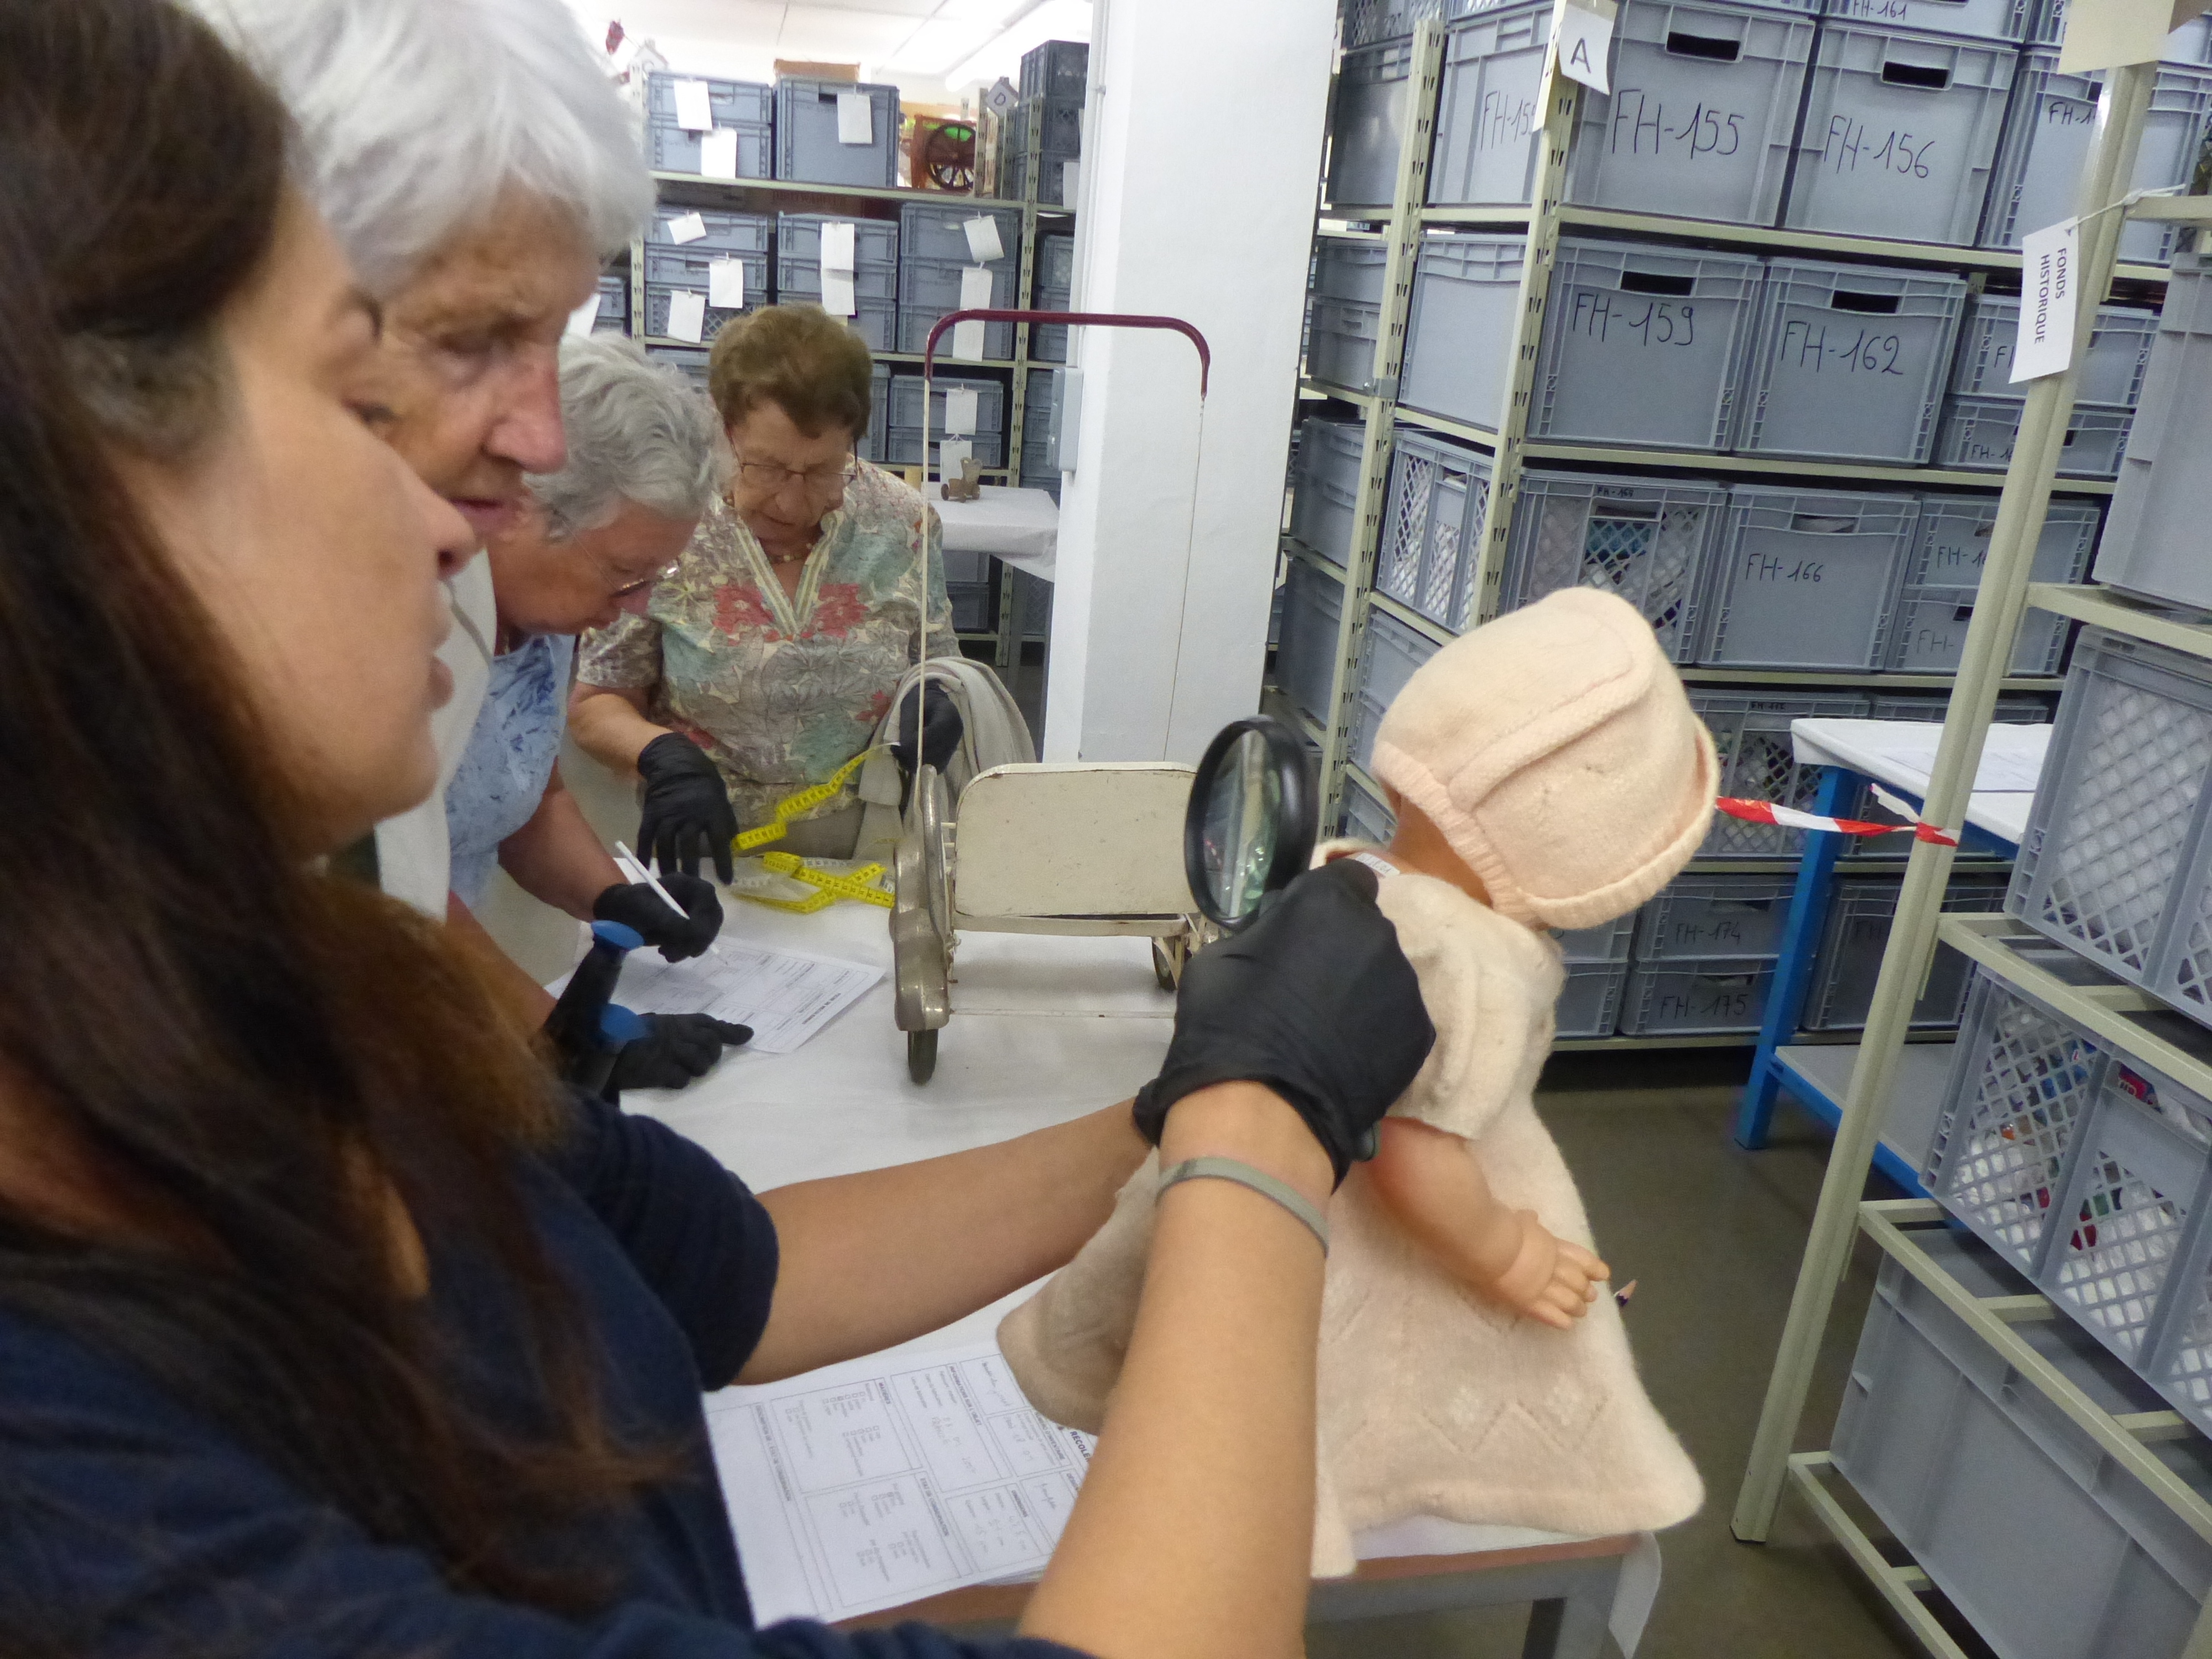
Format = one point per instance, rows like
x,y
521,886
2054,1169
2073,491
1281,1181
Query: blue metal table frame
x,y
1773,1070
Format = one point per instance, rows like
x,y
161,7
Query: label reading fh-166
x,y
2047,301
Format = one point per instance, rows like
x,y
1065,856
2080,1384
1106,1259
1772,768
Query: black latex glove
x,y
675,1048
687,811
1316,1000
636,905
940,729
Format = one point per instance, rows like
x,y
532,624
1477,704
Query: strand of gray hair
x,y
637,431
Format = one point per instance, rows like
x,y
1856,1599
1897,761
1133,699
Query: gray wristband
x,y
1228,1169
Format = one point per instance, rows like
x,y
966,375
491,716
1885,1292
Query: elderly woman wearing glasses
x,y
769,656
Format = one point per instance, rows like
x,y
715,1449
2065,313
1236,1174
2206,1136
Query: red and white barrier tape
x,y
1766,811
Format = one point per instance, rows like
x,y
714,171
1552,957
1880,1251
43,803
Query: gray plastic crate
x,y
1057,69
1344,313
1466,291
1751,735
2046,145
1325,507
1366,818
2111,371
726,232
799,256
668,270
1432,525
1052,288
1389,654
745,106
1590,1001
933,231
870,444
1367,123
902,444
1696,998
1609,941
1951,541
1976,20
2155,544
971,606
1055,262
1058,120
876,321
1901,133
613,315
689,361
2040,1538
1977,435
1057,178
930,289
1734,917
906,402
1806,580
1650,540
2114,863
807,146
1857,931
1305,662
1705,99
1850,362
1643,345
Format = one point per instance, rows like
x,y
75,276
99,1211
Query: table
x,y
1020,528
1045,1030
1897,756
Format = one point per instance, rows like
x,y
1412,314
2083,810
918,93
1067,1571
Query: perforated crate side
x,y
1849,362
1650,541
2111,371
1716,998
2021,1079
2120,807
1589,1000
1057,68
1901,133
1439,491
1977,435
1643,345
1751,735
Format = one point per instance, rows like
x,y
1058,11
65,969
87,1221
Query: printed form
x,y
870,1485
784,995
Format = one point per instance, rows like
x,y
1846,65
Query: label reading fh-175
x,y
2047,301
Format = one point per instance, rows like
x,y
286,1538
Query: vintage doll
x,y
1547,771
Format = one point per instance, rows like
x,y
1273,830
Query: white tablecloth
x,y
1021,526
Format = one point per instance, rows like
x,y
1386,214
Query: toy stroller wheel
x,y
920,1056
1163,967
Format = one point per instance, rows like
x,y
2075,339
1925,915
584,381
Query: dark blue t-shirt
x,y
134,1525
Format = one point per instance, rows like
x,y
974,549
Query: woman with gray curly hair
x,y
646,457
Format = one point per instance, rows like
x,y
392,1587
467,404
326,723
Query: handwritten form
x,y
870,1485
784,996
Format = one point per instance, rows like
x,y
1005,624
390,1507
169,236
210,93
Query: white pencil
x,y
636,869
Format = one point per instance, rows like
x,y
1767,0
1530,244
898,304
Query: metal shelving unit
x,y
1987,940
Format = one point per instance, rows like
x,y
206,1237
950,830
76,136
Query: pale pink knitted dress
x,y
1432,1400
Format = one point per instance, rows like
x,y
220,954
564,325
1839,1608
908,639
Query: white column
x,y
1201,150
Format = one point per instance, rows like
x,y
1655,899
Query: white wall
x,y
1202,148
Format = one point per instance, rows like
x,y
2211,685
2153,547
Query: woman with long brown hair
x,y
328,1324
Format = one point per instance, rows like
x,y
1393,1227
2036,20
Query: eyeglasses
x,y
822,482
643,582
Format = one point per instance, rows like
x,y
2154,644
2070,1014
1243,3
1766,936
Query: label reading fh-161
x,y
2047,301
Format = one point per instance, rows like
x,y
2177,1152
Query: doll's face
x,y
1419,845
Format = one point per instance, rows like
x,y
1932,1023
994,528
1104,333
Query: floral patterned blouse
x,y
781,693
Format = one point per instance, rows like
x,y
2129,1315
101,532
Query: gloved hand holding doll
x,y
1547,773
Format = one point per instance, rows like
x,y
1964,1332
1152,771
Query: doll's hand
x,y
1550,1280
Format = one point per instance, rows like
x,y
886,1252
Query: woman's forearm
x,y
1193,1533
873,1259
557,857
609,724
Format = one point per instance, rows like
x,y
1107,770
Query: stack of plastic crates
x,y
1705,954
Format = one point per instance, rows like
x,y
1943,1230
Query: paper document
x,y
718,153
695,110
959,411
687,315
856,118
785,996
838,245
726,284
984,244
974,288
581,318
686,227
837,293
967,343
872,1484
952,454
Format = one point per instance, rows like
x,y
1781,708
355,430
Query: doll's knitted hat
x,y
1557,753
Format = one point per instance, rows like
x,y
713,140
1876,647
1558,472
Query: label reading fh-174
x,y
2047,301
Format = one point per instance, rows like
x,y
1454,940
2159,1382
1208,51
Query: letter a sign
x,y
1584,32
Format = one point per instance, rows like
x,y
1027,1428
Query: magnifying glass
x,y
1253,817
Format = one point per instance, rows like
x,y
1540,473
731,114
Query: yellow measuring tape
x,y
858,886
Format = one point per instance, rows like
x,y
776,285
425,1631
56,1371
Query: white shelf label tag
x,y
952,455
967,343
983,243
856,118
838,247
726,284
974,288
837,293
1586,41
694,113
687,315
2048,296
686,227
959,409
718,153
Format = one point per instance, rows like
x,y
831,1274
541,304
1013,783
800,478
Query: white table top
x,y
1902,753
1021,526
1044,1030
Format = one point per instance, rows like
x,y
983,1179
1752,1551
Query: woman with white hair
x,y
588,542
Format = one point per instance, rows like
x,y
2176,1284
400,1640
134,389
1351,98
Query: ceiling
x,y
935,51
